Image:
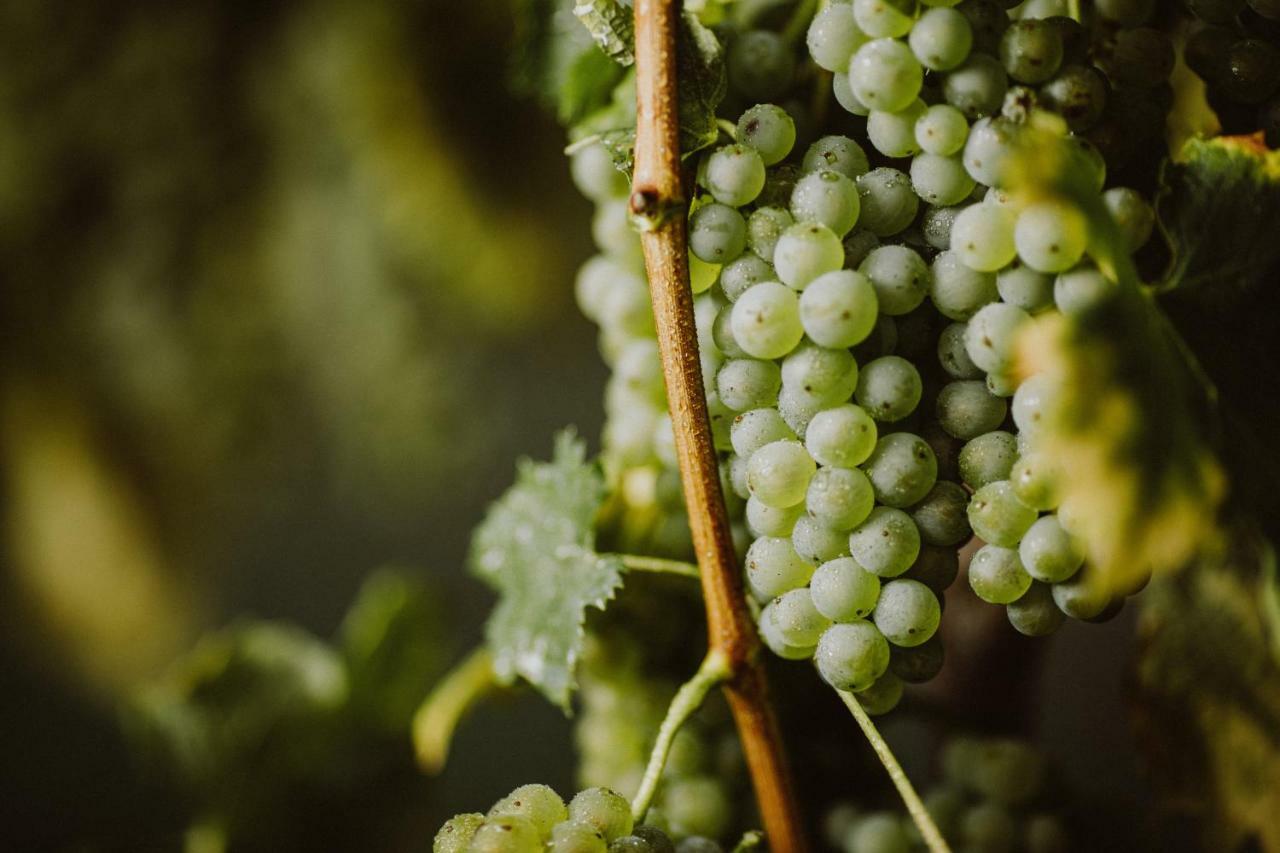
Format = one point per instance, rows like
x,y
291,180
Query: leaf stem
x,y
439,714
658,565
713,671
656,189
928,829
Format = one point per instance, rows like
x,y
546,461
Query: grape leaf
x,y
536,547
611,27
700,73
556,61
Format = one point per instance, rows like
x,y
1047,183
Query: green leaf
x,y
556,61
700,72
611,26
536,546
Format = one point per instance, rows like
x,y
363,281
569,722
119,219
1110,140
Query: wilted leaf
x,y
536,546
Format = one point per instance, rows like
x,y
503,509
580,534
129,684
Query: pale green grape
x,y
774,567
717,233
902,469
1078,290
881,832
839,498
737,475
539,803
852,655
753,429
798,409
843,591
989,149
765,520
1030,290
734,174
988,458
456,834
966,409
577,837
826,197
739,275
958,291
992,334
797,621
1031,50
843,436
998,517
982,235
805,251
838,154
845,97
1036,613
942,515
828,375
1049,552
894,134
941,129
595,175
887,543
1132,215
884,18
816,542
889,388
977,87
935,225
889,204
1035,481
997,575
907,612
778,473
885,75
612,232
506,834
764,227
1035,399
1082,596
722,336
941,39
940,180
766,320
839,309
771,637
696,805
900,278
769,130
952,354
833,36
1051,236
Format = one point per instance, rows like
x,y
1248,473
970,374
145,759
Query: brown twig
x,y
658,200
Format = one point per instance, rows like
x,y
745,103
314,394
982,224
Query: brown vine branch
x,y
658,200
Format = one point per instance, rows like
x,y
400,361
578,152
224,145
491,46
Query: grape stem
x,y
439,714
928,829
657,565
658,201
714,671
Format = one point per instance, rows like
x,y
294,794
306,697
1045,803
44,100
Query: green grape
x,y
845,97
1035,614
576,836
882,696
935,225
837,154
935,567
941,516
987,20
828,198
772,639
696,805
798,409
539,803
760,65
737,475
639,370
1026,288
958,291
987,459
952,354
900,278
843,436
778,473
766,320
839,308
998,517
843,591
764,227
816,542
606,810
1078,94
839,498
941,129
987,826
966,409
769,130
885,75
1051,236
1007,771
1078,290
894,134
506,834
795,618
734,174
1035,399
612,232
982,236
805,251
1083,596
1087,161
1035,481
596,283
941,39
889,388
881,832
456,834
1132,215
940,180
977,87
887,543
753,429
657,840
884,18
991,335
833,36
739,275
747,383
768,521
595,175
1031,51
997,575
902,469
717,233
889,204
1049,553
917,664
851,655
907,612
989,149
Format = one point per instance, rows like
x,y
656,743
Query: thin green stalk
x,y
439,714
658,565
928,829
798,25
715,670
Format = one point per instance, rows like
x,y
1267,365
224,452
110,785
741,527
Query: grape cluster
x,y
533,818
1235,49
988,802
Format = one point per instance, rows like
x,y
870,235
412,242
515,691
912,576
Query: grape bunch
x,y
533,818
990,801
1235,49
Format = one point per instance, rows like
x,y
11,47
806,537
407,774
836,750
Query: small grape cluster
x,y
1236,51
988,802
533,818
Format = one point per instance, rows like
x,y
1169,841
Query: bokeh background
x,y
287,287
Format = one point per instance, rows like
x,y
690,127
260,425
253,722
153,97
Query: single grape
x,y
884,18
769,130
612,232
778,473
882,696
795,618
982,236
941,516
739,275
698,805
839,498
1026,288
966,409
1051,236
753,429
952,354
977,87
826,374
1035,401
845,97
805,251
884,74
1132,215
989,149
992,334
798,408
987,20
1031,51
987,826
717,233
456,834
606,810
1078,290
766,320
843,591
1007,771
816,542
1085,597
767,521
826,197
852,655
839,309
1035,614
941,129
1078,94
577,836
506,834
595,175
902,469
1035,481
997,575
843,436
760,65
893,134
940,180
837,154
888,202
957,290
734,174
987,459
1049,552
748,383
539,803
879,832
737,475
941,39
907,612
887,543
935,225
998,517
917,664
770,636
900,278
833,36
889,388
